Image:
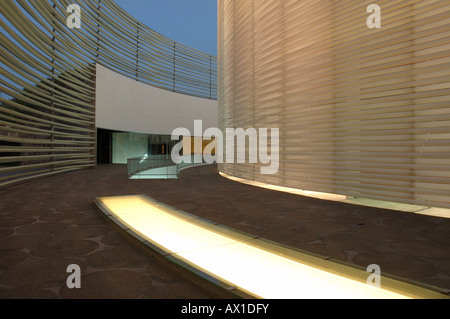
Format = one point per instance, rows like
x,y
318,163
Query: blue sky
x,y
191,22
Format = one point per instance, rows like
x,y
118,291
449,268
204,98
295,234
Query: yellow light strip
x,y
421,210
234,260
295,191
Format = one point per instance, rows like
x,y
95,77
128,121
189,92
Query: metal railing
x,y
48,79
160,166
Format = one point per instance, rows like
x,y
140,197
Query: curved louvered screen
x,y
362,111
47,80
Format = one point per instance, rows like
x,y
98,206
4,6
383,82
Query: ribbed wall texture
x,y
47,79
362,111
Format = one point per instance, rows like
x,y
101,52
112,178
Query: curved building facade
x,y
360,94
68,71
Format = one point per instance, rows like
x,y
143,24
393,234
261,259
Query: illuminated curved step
x,y
253,266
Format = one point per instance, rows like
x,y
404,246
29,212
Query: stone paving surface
x,y
51,223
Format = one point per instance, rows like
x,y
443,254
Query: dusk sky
x,y
191,22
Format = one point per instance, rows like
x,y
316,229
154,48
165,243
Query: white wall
x,y
126,105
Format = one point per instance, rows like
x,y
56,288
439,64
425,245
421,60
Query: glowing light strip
x,y
422,210
233,260
295,191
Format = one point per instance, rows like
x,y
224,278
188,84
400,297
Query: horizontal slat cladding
x,y
47,111
47,79
361,111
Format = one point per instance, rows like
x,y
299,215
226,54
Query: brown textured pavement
x,y
51,223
